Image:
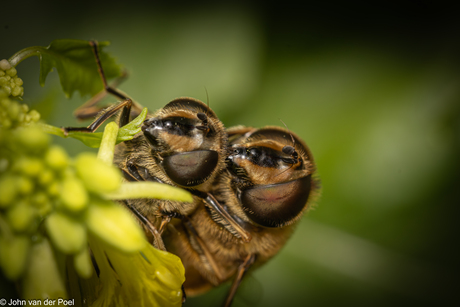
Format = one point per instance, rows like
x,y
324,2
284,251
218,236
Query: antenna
x,y
207,98
292,138
204,116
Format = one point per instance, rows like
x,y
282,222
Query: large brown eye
x,y
190,168
274,205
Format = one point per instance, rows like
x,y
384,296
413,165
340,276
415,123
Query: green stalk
x,y
131,190
109,138
23,54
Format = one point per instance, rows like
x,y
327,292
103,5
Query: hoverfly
x,y
250,186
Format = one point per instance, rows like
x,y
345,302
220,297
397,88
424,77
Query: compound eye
x,y
190,168
275,205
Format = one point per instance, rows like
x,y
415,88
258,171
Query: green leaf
x,y
133,127
92,140
75,63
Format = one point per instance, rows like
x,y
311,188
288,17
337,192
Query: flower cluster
x,y
55,208
47,197
26,183
9,81
13,114
39,182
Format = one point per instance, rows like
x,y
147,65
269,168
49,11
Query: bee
x,y
250,186
268,184
183,144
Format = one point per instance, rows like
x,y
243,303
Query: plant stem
x,y
131,190
109,138
23,54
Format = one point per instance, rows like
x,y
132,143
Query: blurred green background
x,y
372,89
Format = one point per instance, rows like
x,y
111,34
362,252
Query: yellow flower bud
x,y
56,157
13,257
73,194
97,176
67,234
115,225
21,216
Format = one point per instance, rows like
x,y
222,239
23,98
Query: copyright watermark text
x,y
45,302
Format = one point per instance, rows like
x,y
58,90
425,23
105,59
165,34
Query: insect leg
x,y
214,204
164,222
158,241
124,119
125,105
242,269
110,89
134,172
213,273
131,173
89,109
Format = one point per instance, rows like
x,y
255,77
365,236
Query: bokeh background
x,y
373,89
